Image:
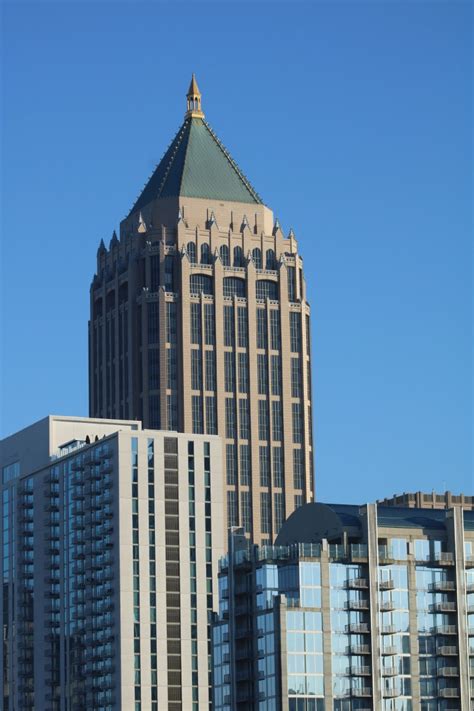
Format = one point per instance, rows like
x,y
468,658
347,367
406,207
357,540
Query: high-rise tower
x,y
199,323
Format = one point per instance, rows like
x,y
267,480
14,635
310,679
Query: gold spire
x,y
193,100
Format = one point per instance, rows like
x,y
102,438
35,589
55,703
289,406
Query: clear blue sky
x,y
353,121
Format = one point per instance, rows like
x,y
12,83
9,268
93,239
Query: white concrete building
x,y
111,536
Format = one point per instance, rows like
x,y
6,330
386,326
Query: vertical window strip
x,y
298,469
279,510
275,334
245,464
243,372
242,327
246,511
277,455
192,568
297,423
229,337
196,328
229,371
211,415
262,374
295,332
171,322
265,512
152,573
230,430
196,402
295,378
196,369
264,466
136,573
276,374
263,424
244,425
210,362
232,513
262,335
209,325
277,421
209,575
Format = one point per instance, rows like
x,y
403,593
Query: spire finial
x,y
193,100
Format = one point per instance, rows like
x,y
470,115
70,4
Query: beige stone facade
x,y
185,267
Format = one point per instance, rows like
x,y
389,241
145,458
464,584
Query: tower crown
x,y
193,100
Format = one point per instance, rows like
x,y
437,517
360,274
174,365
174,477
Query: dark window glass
x,y
291,272
209,324
243,372
257,257
153,368
244,464
266,289
262,336
224,255
231,463
171,322
270,260
262,374
297,423
277,466
298,469
196,369
279,510
205,253
232,508
191,249
154,272
197,414
276,374
246,511
229,371
242,327
265,512
170,273
244,419
264,463
238,257
211,418
263,425
230,432
201,283
153,322
295,378
229,339
196,329
210,370
295,332
277,423
233,286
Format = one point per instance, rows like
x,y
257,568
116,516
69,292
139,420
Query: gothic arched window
x,y
257,257
191,249
270,261
238,257
205,253
224,252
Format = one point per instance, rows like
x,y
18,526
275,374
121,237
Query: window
x,y
171,369
229,371
263,425
298,469
257,257
209,325
211,416
265,512
201,283
297,423
243,372
277,466
205,253
229,326
232,508
231,463
262,374
244,418
196,331
153,368
154,409
153,322
154,272
238,257
308,337
295,378
197,414
230,432
266,289
277,424
291,272
172,411
224,255
170,267
210,361
275,337
233,286
276,374
171,322
262,338
245,464
295,332
279,510
242,340
246,511
270,260
264,463
196,369
191,250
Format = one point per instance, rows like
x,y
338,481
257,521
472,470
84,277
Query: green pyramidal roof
x,y
197,165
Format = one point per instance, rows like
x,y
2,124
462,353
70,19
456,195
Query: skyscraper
x,y
199,323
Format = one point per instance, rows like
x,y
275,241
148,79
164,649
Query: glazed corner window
x,y
10,472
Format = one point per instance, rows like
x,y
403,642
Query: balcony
x,y
356,605
358,584
442,586
392,692
444,558
447,651
470,561
363,692
359,671
359,649
389,671
386,556
443,607
387,606
449,693
358,628
388,629
390,650
448,671
445,629
387,585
